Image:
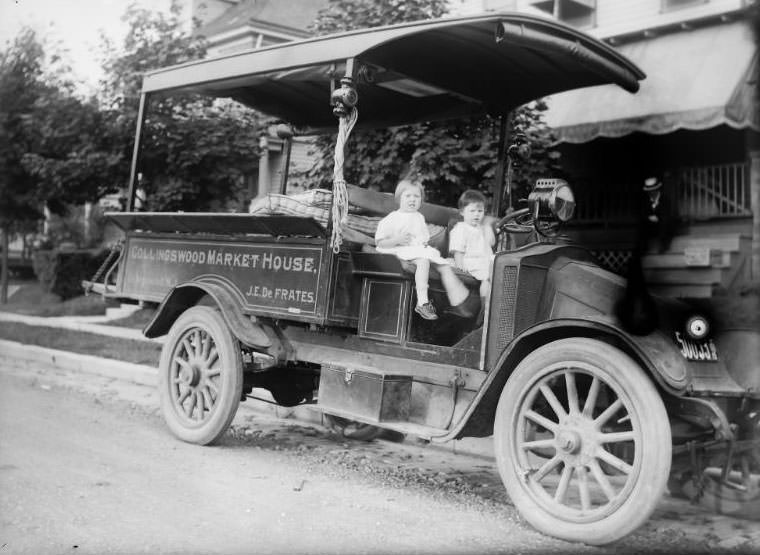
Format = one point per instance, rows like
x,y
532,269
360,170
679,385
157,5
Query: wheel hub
x,y
569,442
191,375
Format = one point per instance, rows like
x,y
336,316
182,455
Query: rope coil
x,y
340,191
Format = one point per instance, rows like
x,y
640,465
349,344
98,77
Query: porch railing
x,y
714,192
703,192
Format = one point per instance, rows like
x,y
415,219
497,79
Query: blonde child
x,y
404,233
471,241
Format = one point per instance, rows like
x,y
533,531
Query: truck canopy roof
x,y
421,71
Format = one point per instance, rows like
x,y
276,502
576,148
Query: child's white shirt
x,y
475,242
408,222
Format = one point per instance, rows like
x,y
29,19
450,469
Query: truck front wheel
x,y
200,376
582,441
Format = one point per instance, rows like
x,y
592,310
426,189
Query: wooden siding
x,y
614,17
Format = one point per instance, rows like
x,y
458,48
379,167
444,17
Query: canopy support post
x,y
136,155
505,129
754,183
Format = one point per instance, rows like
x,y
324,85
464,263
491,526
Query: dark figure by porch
x,y
636,310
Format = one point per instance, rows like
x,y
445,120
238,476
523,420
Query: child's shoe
x,y
467,308
427,311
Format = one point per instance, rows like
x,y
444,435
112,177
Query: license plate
x,y
699,351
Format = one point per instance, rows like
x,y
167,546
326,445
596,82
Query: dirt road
x,y
86,466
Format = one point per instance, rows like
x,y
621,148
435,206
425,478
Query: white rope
x,y
340,191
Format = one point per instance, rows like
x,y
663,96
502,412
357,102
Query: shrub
x,y
61,271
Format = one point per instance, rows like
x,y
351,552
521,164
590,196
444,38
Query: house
x,y
695,120
236,25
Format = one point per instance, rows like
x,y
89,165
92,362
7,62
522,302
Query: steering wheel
x,y
519,221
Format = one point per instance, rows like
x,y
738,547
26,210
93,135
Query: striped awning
x,y
696,79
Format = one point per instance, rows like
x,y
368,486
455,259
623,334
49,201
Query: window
x,y
668,5
578,13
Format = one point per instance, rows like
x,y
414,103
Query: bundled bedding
x,y
315,204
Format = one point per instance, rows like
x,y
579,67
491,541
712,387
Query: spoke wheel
x,y
201,376
582,441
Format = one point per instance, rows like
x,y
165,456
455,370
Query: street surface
x,y
87,466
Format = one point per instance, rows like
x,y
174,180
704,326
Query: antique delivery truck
x,y
589,421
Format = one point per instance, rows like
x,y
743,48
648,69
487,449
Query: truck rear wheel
x,y
200,376
582,441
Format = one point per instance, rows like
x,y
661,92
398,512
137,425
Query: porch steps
x,y
695,266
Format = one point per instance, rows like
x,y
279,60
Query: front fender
x,y
655,353
188,294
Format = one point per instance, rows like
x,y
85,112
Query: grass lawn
x,y
32,300
137,320
127,350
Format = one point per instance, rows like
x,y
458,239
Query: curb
x,y
28,356
20,354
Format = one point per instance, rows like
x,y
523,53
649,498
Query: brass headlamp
x,y
551,201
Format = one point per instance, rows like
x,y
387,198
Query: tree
x,y
448,156
347,15
49,155
196,151
73,154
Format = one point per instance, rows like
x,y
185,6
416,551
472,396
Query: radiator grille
x,y
506,323
531,284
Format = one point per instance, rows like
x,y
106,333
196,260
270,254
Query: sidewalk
x,y
30,355
90,324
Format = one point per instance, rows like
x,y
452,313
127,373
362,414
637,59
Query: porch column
x,y
86,223
46,221
754,184
264,177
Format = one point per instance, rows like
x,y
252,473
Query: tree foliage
x,y
449,157
195,151
347,15
21,84
55,147
52,151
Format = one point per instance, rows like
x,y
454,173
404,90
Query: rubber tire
x,y
352,429
210,320
616,368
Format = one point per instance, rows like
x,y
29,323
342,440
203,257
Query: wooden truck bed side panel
x,y
266,276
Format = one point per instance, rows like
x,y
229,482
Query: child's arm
x,y
387,237
395,240
458,259
489,225
457,245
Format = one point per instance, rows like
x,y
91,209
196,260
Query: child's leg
x,y
485,289
421,275
485,294
456,291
